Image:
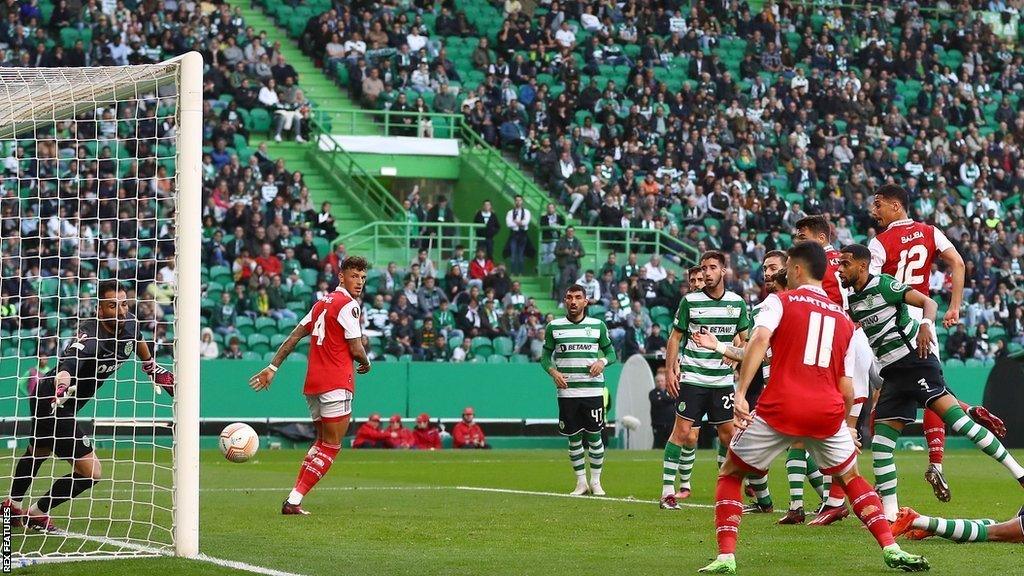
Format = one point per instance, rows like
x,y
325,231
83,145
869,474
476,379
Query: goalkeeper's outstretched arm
x,y
262,379
163,379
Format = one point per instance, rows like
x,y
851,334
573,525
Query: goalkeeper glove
x,y
63,393
161,377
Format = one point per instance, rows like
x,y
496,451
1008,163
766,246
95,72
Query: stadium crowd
x,y
722,125
717,124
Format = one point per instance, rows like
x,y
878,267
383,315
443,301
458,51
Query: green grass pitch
x,y
399,513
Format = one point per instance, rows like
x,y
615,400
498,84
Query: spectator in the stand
x,y
369,434
473,322
591,286
325,222
234,350
397,436
306,252
426,264
655,271
959,344
655,343
463,353
467,433
517,220
551,223
635,341
480,268
426,435
269,261
208,348
490,229
662,410
568,251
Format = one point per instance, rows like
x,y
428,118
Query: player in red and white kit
x,y
905,249
334,325
818,230
808,399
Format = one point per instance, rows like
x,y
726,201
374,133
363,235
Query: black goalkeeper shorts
x,y
60,433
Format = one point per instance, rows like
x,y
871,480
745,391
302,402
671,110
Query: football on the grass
x,y
239,442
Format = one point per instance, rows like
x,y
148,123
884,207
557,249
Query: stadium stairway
x,y
325,93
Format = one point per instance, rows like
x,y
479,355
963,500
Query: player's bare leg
x,y
86,472
25,471
868,507
833,507
960,530
317,461
680,454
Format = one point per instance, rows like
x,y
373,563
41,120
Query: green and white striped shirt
x,y
880,309
572,347
724,318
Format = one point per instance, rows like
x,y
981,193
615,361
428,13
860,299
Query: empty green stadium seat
x,y
258,343
266,326
503,346
497,359
482,346
245,325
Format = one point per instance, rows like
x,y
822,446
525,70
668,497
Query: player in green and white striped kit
x,y
909,368
700,378
576,350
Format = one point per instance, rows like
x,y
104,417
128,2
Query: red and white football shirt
x,y
831,283
905,250
811,351
330,323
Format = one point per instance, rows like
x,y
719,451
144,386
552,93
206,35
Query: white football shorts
x,y
332,405
758,445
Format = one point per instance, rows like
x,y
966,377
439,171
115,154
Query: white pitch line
x,y
234,564
433,488
243,566
561,495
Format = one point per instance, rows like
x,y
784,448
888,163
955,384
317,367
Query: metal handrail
x,y
360,121
352,174
438,238
598,240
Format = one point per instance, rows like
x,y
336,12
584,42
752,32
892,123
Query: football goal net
x,y
101,186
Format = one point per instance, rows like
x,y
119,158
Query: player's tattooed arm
x,y
926,333
355,347
261,380
710,342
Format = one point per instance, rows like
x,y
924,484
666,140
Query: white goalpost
x,y
102,179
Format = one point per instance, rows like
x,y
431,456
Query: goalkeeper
x,y
97,351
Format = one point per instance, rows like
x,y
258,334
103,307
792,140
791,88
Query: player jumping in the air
x,y
909,367
808,399
817,229
576,350
98,349
334,325
701,381
959,530
905,250
798,464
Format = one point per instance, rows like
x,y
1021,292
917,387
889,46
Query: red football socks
x,y
728,511
868,507
315,466
935,435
